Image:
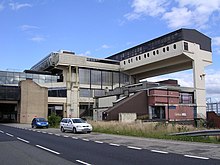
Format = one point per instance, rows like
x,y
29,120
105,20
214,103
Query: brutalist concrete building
x,y
74,86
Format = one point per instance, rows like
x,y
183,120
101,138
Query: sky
x,y
31,29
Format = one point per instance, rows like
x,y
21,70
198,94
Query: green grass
x,y
150,130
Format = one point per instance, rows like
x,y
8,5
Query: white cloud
x,y
87,53
216,41
146,7
105,46
178,17
38,38
1,7
28,27
177,13
17,6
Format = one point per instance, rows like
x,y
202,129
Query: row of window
x,y
101,79
149,46
155,52
16,77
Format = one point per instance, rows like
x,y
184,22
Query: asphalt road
x,y
41,146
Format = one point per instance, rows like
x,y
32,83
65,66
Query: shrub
x,y
54,120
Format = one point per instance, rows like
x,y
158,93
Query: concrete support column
x,y
199,87
72,92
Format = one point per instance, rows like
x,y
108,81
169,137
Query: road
x,y
39,145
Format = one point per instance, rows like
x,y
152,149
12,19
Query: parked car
x,y
39,123
75,125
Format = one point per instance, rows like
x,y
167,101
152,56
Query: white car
x,y
75,125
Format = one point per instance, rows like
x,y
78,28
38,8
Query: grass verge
x,y
151,130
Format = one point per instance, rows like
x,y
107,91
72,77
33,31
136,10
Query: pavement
x,y
177,147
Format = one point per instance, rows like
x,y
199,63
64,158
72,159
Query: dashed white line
x,y
113,144
65,136
135,148
79,161
196,157
85,140
9,134
23,140
57,134
47,149
1,131
74,137
99,142
50,133
161,152
38,131
44,132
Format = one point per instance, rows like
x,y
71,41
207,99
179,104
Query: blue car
x,y
39,123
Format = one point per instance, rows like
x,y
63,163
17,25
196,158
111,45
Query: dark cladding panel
x,y
194,36
190,35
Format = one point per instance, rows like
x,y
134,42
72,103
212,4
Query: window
x,y
128,60
136,58
139,57
174,46
84,76
157,51
148,54
186,47
96,78
124,62
164,49
145,56
168,48
154,53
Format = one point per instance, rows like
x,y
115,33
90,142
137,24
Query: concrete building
x,y
69,84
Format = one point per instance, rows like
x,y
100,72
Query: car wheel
x,y
74,130
62,129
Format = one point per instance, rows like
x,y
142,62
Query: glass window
x,y
115,79
157,51
168,48
164,49
2,80
84,76
174,46
148,54
186,47
154,53
106,78
83,92
124,79
96,78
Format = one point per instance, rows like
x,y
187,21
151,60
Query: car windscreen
x,y
41,120
78,121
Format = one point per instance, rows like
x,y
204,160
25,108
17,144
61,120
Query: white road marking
x,y
38,131
57,134
65,136
9,134
79,161
44,132
99,142
196,157
85,140
23,140
161,152
30,129
74,137
113,144
135,148
50,133
47,149
1,131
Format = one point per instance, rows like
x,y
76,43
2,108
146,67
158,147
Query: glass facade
x,y
15,77
56,92
102,79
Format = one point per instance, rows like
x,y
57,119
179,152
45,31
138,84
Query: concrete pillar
x,y
73,92
199,87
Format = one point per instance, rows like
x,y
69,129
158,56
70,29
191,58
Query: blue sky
x,y
31,29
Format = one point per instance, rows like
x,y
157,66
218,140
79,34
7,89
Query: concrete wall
x,y
34,101
127,117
